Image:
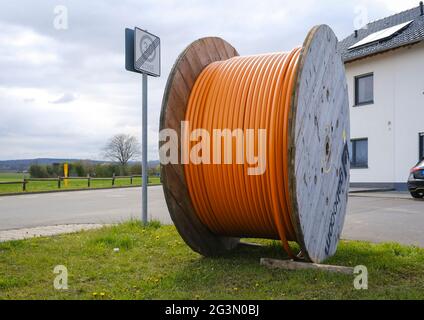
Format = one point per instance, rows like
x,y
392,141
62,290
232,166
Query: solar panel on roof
x,y
381,35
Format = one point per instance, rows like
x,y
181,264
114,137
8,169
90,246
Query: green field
x,y
154,263
36,186
12,176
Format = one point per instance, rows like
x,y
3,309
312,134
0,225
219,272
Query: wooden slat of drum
x,y
310,112
202,51
319,113
337,150
212,49
179,85
330,118
221,49
322,199
294,114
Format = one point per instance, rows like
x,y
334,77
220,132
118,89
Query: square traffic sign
x,y
146,52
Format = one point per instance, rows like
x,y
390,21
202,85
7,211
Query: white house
x,y
385,74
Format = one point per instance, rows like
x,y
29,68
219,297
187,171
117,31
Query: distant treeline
x,y
82,169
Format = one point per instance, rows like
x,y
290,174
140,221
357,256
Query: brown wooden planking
x,y
183,75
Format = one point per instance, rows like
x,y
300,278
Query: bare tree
x,y
122,148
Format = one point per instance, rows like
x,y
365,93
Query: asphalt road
x,y
380,218
374,218
95,206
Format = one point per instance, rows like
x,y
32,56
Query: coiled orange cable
x,y
251,92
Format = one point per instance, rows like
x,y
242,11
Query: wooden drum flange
x,y
182,77
318,137
318,146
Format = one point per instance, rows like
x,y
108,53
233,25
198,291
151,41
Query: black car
x,y
416,180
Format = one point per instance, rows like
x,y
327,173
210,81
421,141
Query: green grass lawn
x,y
12,176
35,186
154,263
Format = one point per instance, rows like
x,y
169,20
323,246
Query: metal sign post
x,y
144,172
142,55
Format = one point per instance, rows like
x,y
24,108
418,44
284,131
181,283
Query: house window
x,y
364,89
421,145
358,150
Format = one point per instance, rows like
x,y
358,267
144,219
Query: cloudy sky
x,y
64,92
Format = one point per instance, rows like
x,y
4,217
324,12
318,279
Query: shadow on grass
x,y
238,275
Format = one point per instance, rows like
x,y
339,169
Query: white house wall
x,y
392,123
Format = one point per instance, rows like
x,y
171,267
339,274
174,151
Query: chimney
x,y
356,33
421,8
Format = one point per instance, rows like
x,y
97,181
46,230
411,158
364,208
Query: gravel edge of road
x,y
46,231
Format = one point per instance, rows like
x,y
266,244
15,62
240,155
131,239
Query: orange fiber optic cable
x,y
250,92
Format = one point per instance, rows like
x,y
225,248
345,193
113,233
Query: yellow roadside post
x,y
65,174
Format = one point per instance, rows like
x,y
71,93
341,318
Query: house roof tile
x,y
412,34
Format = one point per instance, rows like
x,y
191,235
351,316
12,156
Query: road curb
x,y
371,190
363,195
47,231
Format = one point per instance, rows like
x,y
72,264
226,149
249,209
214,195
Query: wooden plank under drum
x,y
296,265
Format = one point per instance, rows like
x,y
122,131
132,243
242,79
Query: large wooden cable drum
x,y
300,99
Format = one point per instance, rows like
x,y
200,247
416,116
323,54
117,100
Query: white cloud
x,y
65,98
397,6
40,64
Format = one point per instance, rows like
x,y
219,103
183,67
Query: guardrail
x,y
59,180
